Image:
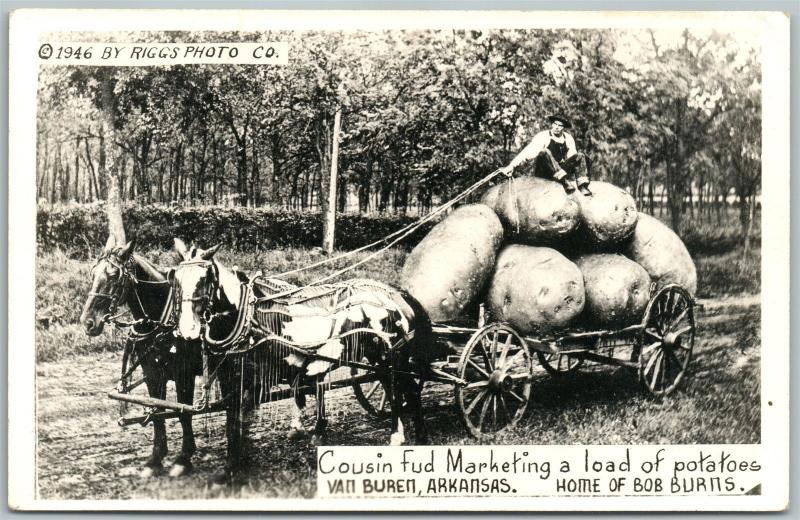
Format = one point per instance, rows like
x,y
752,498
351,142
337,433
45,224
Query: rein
x,y
125,281
241,328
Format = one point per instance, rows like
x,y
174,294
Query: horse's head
x,y
197,281
111,279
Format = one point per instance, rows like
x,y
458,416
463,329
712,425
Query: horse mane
x,y
230,282
148,268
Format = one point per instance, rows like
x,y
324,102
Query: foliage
x,y
425,113
84,227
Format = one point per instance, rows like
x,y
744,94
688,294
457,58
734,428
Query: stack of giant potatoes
x,y
544,260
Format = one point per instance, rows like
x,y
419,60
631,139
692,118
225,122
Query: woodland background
x,y
672,116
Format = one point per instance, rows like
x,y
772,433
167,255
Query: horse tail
x,y
421,345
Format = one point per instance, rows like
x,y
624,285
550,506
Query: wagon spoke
x,y
651,362
486,361
479,369
653,334
494,350
659,314
664,314
505,408
683,331
477,384
675,359
475,402
515,396
504,354
382,404
680,317
649,348
675,300
658,370
494,413
484,408
372,390
671,301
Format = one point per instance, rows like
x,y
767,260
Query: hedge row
x,y
244,229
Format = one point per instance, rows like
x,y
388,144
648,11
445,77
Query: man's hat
x,y
558,117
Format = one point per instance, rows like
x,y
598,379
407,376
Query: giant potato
x,y
661,252
533,210
609,215
535,289
617,289
448,269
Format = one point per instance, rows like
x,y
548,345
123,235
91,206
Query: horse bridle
x,y
210,290
124,279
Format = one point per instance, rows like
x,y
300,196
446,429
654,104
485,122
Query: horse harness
x,y
136,346
126,278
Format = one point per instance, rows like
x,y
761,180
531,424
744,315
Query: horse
x,y
121,277
349,321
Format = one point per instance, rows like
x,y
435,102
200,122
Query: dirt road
x,y
83,453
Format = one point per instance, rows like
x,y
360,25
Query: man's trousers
x,y
574,168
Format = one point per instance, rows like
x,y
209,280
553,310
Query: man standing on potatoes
x,y
554,157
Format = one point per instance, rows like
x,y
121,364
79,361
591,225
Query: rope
x,y
403,231
516,203
398,236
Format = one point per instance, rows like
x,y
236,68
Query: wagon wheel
x,y
667,340
131,376
372,396
496,368
558,365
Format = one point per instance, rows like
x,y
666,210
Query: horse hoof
x,y
296,434
179,470
317,440
150,472
397,439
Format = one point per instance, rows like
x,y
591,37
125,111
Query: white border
x,y
26,25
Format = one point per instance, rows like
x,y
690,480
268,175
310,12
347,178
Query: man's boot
x,y
568,186
585,191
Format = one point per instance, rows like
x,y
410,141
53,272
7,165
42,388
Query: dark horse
x,y
352,321
121,277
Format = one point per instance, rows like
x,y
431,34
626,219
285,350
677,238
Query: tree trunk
x,y
65,185
116,227
322,143
341,204
329,206
255,173
364,185
77,167
744,213
54,175
241,172
749,231
274,188
40,191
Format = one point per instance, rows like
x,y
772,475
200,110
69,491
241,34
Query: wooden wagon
x,y
493,372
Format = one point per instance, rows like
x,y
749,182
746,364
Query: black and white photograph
x,y
250,243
